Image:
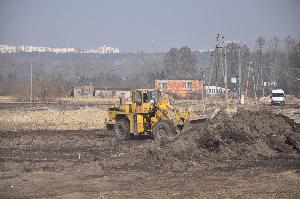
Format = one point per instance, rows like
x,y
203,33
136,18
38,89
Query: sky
x,y
145,25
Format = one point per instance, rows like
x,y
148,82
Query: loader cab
x,y
142,99
151,96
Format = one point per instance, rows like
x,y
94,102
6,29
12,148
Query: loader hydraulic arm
x,y
178,117
165,111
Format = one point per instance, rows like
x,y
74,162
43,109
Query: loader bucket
x,y
201,120
192,122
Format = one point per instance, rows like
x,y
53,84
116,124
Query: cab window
x,y
146,97
138,98
153,96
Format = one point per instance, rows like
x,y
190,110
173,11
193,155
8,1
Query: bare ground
x,y
46,164
253,154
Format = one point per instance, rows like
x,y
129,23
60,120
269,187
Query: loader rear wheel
x,y
121,129
164,130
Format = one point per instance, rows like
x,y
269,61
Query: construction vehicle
x,y
149,112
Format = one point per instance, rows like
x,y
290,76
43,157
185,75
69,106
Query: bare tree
x,y
180,63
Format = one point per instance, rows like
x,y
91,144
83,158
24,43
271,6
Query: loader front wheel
x,y
121,129
164,130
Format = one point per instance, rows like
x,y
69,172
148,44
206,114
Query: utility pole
x,y
253,80
208,86
153,42
262,82
226,68
202,80
225,78
240,76
31,81
247,83
68,41
217,66
261,71
97,56
256,84
211,69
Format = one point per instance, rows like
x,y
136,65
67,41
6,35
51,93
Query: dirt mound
x,y
246,135
251,128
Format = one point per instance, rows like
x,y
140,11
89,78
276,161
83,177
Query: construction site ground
x,y
249,152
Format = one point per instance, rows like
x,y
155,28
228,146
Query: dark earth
x,y
252,154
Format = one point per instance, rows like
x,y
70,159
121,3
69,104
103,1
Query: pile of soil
x,y
246,135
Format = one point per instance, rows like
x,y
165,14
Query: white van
x,y
277,97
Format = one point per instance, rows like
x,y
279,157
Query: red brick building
x,y
180,88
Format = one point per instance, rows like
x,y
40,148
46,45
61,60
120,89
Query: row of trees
x,y
271,64
44,89
275,62
180,63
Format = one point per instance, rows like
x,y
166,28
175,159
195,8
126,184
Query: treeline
x,y
44,89
273,63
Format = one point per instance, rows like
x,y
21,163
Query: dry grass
x,y
208,105
85,118
6,99
89,100
93,118
69,100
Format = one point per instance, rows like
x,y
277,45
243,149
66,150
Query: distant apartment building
x,y
107,50
8,49
31,49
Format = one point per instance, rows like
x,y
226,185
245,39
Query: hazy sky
x,y
130,24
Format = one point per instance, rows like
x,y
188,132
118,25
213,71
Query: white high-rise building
x,y
30,49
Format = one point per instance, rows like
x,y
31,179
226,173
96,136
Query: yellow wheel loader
x,y
148,112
